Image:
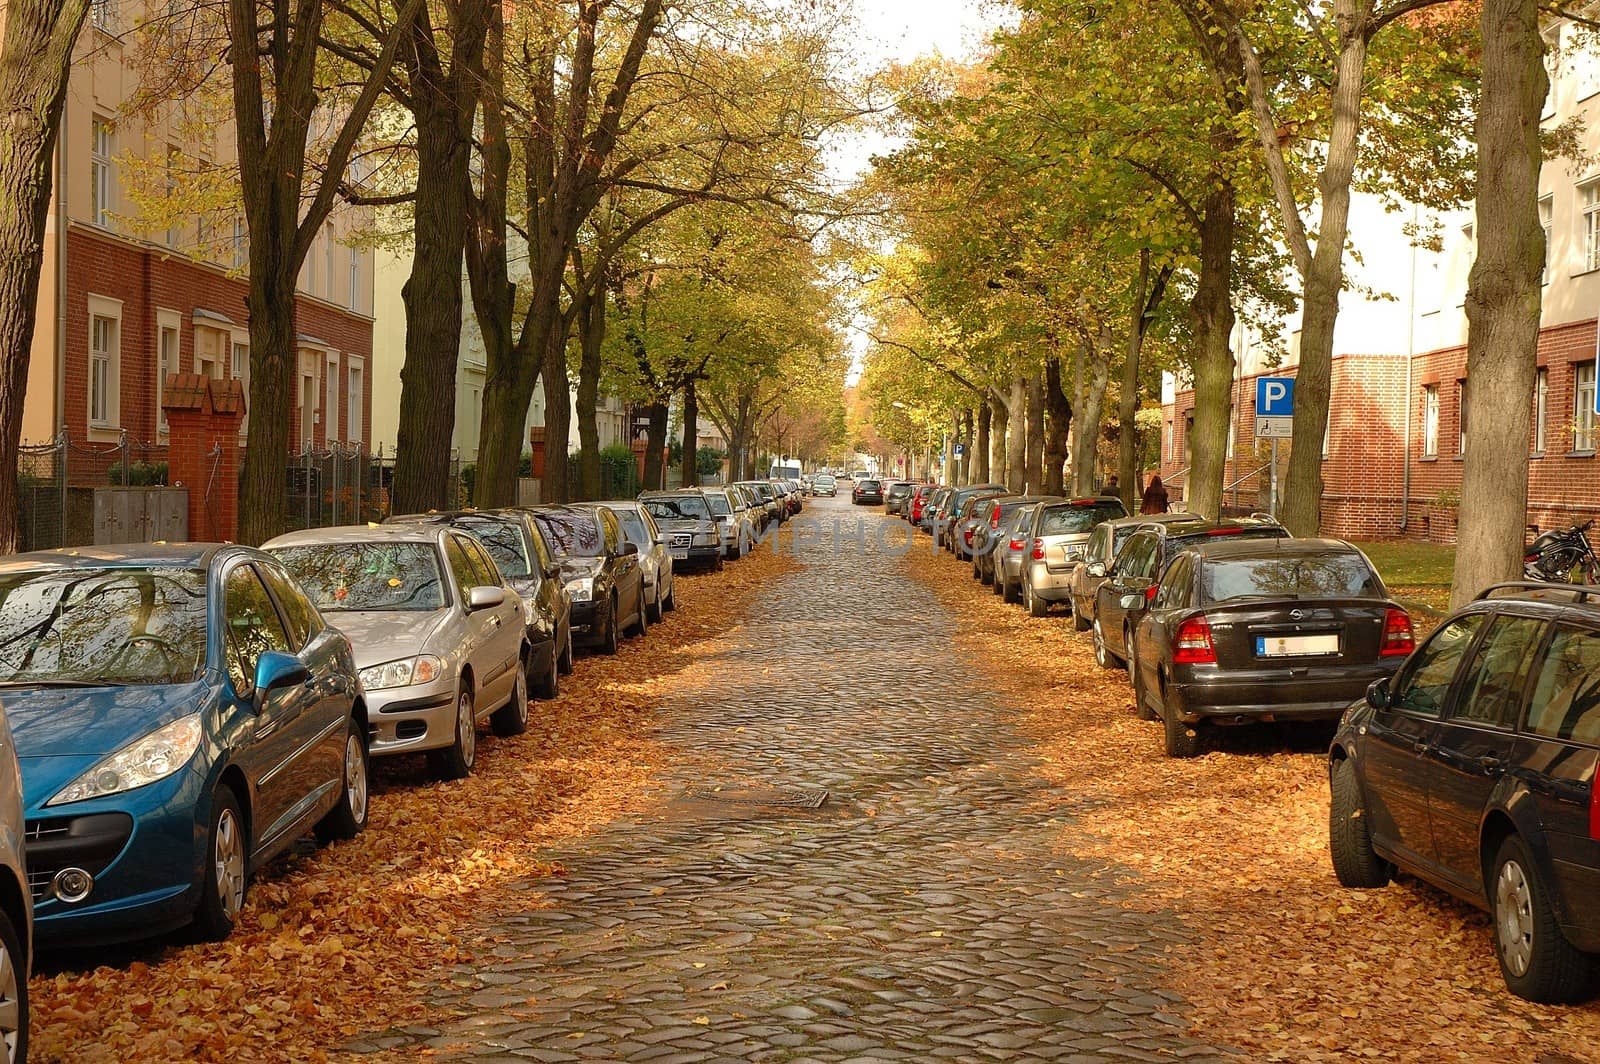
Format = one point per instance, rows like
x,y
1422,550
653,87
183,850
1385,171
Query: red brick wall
x,y
145,280
1363,475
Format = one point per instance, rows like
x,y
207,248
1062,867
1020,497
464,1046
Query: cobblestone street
x,y
918,913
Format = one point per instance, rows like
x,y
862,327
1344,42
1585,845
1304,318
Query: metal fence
x,y
347,485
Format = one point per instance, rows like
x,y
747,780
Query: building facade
x,y
1400,401
145,270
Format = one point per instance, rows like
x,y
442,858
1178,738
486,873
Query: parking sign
x,y
1275,407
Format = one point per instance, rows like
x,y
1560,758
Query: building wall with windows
x,y
146,263
1400,396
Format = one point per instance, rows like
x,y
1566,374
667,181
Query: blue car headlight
x,y
153,757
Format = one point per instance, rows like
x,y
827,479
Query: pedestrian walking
x,y
1155,497
1111,490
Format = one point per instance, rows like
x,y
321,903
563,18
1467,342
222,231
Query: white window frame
x,y
1541,407
1461,417
169,323
239,343
1430,421
307,366
108,309
355,280
1589,223
1547,219
1583,388
330,398
241,242
327,261
102,14
102,170
355,398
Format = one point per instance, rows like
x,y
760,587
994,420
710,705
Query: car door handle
x,y
494,621
1422,746
1494,766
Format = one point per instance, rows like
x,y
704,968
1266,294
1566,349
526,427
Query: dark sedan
x,y
1099,555
898,497
1131,582
514,541
1475,769
600,569
1242,631
867,493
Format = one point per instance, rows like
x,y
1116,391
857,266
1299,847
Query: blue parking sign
x,y
1274,396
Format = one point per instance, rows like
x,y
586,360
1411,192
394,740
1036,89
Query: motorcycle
x,y
1562,556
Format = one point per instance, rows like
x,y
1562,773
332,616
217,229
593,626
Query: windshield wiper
x,y
14,682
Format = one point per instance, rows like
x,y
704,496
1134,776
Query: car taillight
x,y
1594,806
1398,638
1150,592
1192,645
1015,544
1038,550
994,519
966,534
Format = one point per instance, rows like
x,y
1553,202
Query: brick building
x,y
131,294
1392,459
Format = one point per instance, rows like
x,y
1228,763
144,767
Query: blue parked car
x,y
181,714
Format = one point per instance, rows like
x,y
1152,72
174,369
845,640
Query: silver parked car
x,y
693,535
1057,538
16,906
735,521
437,634
655,561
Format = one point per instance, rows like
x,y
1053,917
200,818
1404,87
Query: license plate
x,y
1296,646
680,552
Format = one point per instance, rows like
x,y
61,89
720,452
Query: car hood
x,y
684,524
384,635
93,721
572,568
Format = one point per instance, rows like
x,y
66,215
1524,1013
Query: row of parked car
x,y
181,713
1468,760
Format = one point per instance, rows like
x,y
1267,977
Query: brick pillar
x,y
536,443
203,419
639,449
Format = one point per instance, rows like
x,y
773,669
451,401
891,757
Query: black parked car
x,y
1098,556
1131,581
1250,630
898,497
868,492
513,540
1475,769
600,569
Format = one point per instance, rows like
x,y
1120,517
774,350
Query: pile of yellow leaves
x,y
1281,961
348,939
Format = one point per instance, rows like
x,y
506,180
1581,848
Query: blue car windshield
x,y
377,577
101,627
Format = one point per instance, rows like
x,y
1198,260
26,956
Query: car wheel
x,y
608,641
222,893
549,685
977,570
670,603
1102,656
455,761
13,992
1349,840
1037,607
641,626
345,820
1179,739
1536,959
1080,618
1141,697
565,665
654,608
998,584
1011,592
512,718
717,568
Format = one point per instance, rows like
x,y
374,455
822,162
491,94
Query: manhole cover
x,y
781,797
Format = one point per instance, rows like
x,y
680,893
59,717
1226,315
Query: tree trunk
x,y
557,420
1034,476
1058,421
1145,301
1017,440
967,457
593,322
655,442
998,419
691,435
1503,295
980,449
1086,450
1212,313
271,305
1324,280
35,60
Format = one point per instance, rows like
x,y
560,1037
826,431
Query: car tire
x,y
1178,739
347,819
1010,592
1141,699
565,665
997,584
1037,607
1081,621
717,568
455,761
670,603
549,685
1536,959
226,880
641,624
1349,838
512,718
13,990
1103,656
654,608
608,640
977,570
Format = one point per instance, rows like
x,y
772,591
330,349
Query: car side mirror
x,y
1097,569
1129,603
484,597
275,669
629,548
1378,693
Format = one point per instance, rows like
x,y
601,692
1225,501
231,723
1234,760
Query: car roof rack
x,y
1579,592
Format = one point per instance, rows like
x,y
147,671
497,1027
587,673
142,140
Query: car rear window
x,y
1566,698
870,485
1077,518
678,508
571,535
718,503
1296,576
502,539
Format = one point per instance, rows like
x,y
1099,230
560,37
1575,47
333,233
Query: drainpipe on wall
x,y
1411,351
61,271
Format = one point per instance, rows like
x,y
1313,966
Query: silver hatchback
x,y
1056,540
439,638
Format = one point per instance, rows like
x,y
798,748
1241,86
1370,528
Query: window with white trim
x,y
1547,216
167,360
355,397
1461,417
330,399
1589,223
1583,406
327,261
101,13
105,351
355,280
241,243
1430,421
174,160
102,179
1541,407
